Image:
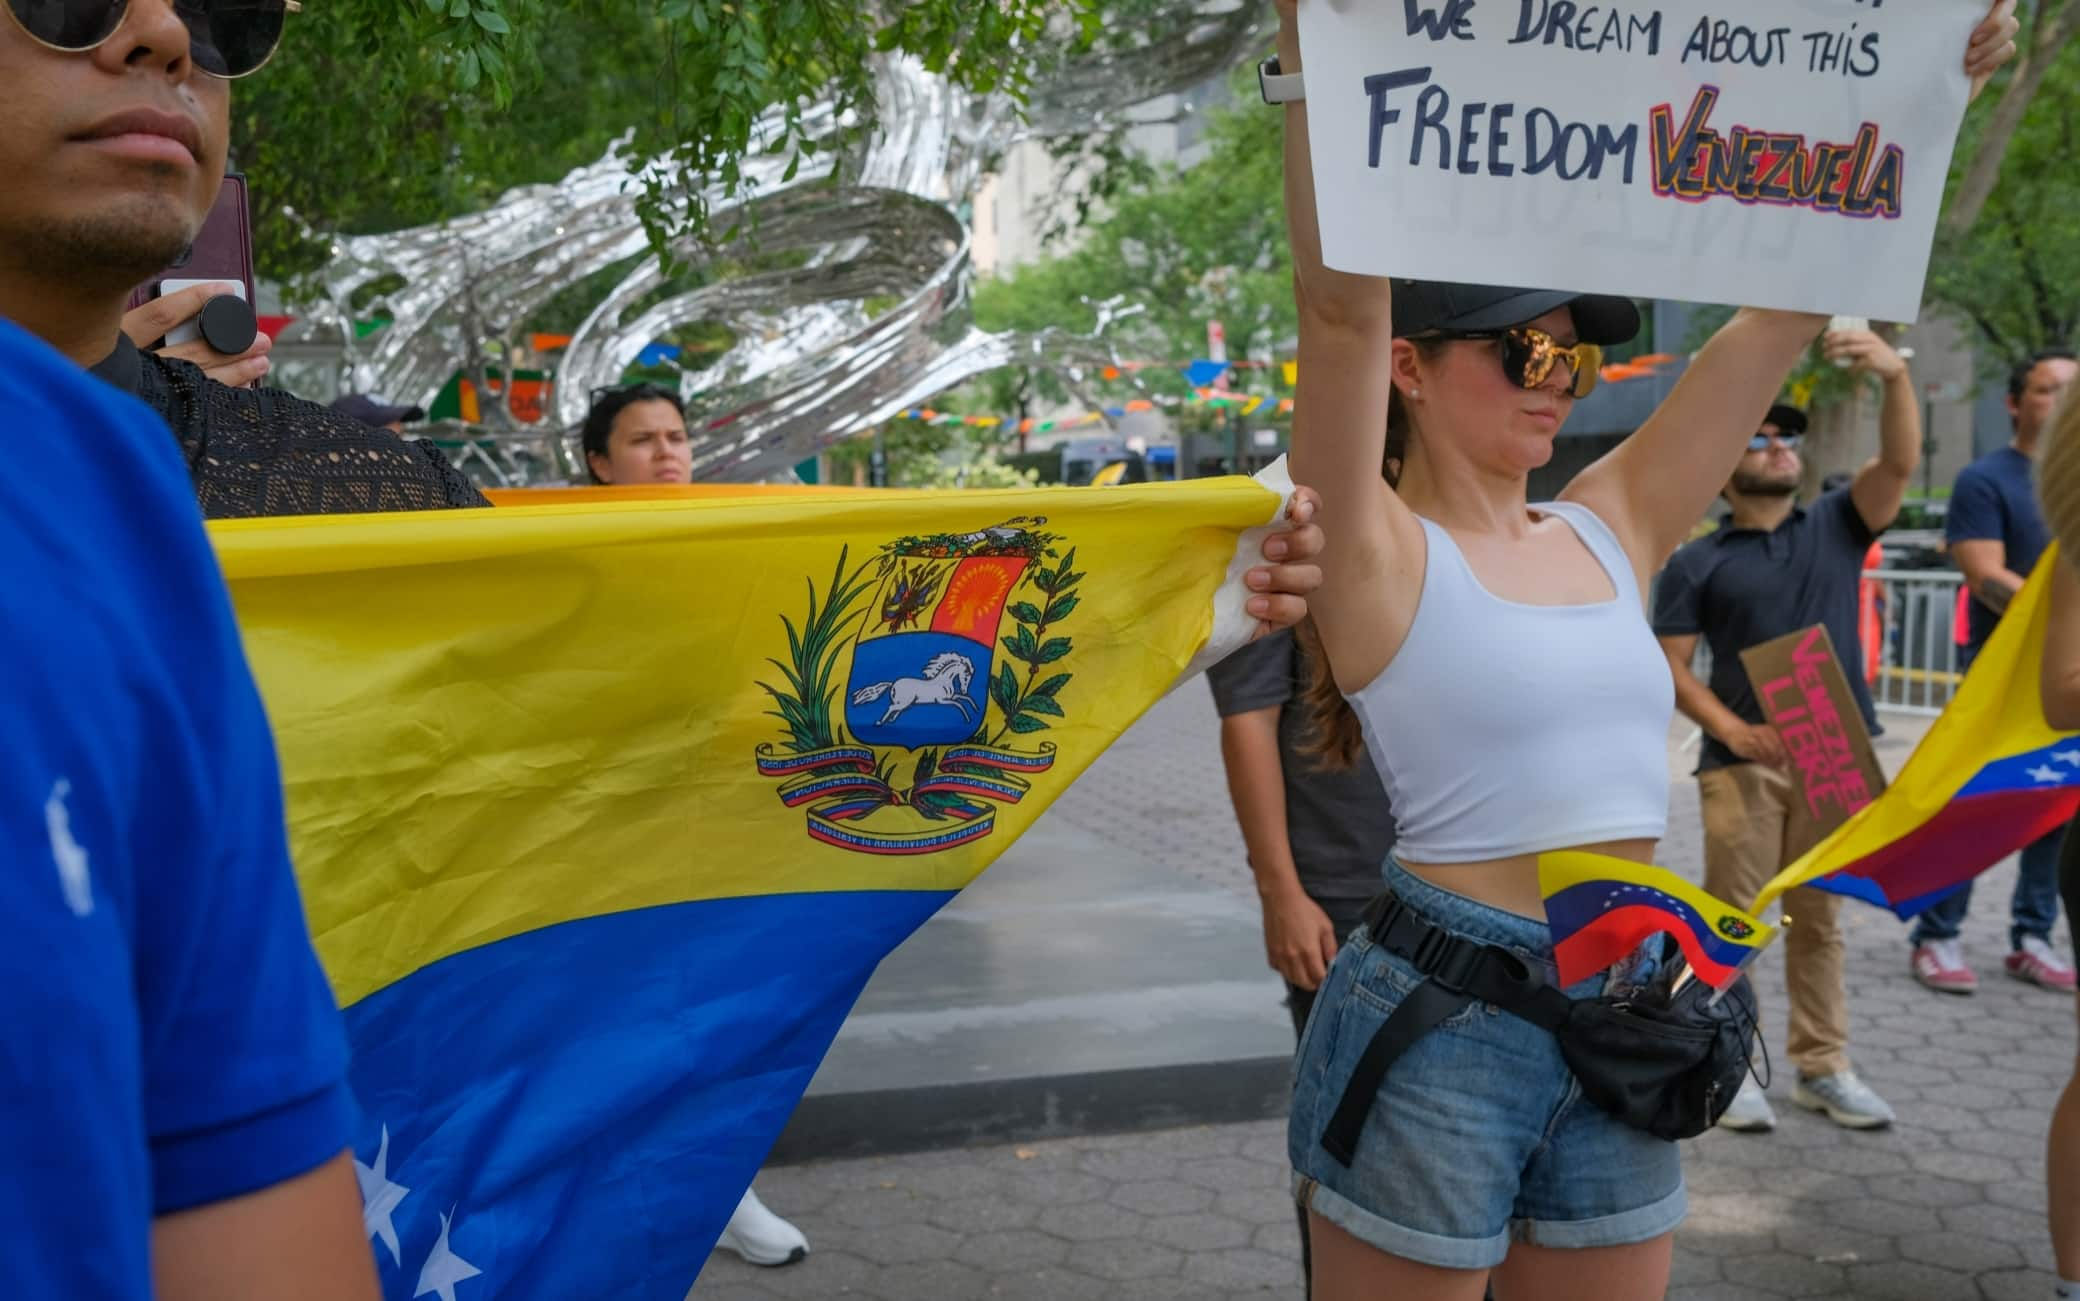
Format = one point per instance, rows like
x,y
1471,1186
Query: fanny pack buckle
x,y
1457,966
1431,949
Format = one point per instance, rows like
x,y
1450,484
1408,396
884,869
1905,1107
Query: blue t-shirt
x,y
1994,500
169,1038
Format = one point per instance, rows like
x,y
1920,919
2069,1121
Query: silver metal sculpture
x,y
860,310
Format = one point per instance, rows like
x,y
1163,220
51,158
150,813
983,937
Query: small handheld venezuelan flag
x,y
1602,908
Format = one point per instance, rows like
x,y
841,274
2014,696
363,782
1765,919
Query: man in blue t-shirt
x,y
1996,534
172,1081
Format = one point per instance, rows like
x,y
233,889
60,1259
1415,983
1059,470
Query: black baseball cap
x,y
368,411
1439,307
1786,417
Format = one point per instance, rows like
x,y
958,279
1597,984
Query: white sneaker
x,y
1940,965
1848,1101
2039,964
1750,1112
761,1237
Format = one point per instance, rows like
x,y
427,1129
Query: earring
x,y
1415,395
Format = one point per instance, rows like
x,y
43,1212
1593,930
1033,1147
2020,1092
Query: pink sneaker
x,y
1939,964
2039,964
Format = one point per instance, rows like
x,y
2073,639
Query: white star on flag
x,y
444,1269
2046,773
380,1198
2067,756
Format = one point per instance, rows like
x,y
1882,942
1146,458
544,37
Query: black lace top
x,y
254,452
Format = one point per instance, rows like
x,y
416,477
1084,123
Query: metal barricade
x,y
1918,611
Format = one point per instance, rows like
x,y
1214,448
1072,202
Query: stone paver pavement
x,y
1948,1204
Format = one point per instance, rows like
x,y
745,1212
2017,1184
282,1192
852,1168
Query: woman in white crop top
x,y
1515,702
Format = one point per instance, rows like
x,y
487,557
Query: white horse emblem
x,y
945,682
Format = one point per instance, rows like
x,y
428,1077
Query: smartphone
x,y
1847,323
222,251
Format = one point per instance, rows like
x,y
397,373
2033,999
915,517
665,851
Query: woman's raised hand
x,y
1992,44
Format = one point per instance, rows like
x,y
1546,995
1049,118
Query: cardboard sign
x,y
1774,153
1806,697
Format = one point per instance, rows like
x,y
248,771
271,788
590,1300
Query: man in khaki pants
x,y
1774,568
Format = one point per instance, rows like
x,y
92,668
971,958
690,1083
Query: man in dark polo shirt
x,y
1996,533
1317,836
1773,568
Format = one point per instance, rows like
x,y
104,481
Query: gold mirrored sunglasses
x,y
1529,355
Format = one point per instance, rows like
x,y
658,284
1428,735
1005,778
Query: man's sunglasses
x,y
1529,355
1789,442
226,38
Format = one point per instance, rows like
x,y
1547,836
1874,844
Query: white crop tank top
x,y
1502,729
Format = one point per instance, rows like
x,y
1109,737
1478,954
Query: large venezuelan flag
x,y
1990,777
604,813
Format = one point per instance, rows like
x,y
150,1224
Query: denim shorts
x,y
1480,1136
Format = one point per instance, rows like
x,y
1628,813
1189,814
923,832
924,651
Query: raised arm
x,y
1656,484
1373,553
1654,487
1881,485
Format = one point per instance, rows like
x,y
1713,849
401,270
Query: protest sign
x,y
1806,697
1778,153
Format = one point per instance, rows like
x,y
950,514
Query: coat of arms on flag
x,y
900,758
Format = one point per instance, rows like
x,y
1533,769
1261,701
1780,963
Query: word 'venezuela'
x,y
1690,159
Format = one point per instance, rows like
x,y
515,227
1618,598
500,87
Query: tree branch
x,y
2053,30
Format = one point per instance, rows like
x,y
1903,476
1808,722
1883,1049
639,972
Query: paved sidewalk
x,y
1949,1204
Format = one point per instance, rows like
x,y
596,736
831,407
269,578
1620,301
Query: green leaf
x,y
1055,648
492,21
1052,685
1005,690
1041,705
1027,723
472,72
1026,612
1068,580
1062,607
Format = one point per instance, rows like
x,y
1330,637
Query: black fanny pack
x,y
1666,1064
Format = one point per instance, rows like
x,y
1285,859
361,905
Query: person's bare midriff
x,y
1511,883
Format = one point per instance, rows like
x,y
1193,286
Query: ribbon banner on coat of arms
x,y
605,808
927,763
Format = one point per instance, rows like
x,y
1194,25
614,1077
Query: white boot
x,y
761,1237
